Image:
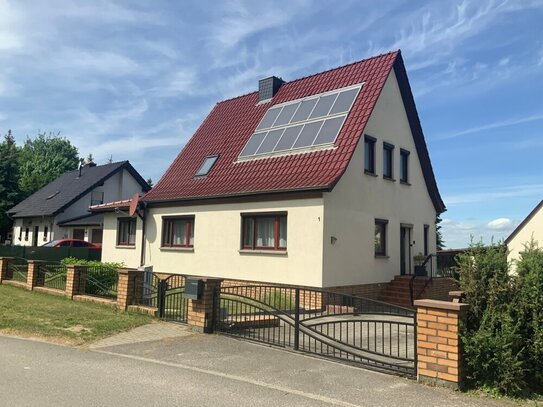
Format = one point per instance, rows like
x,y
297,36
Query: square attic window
x,y
206,166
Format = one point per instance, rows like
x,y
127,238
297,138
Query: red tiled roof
x,y
231,123
109,206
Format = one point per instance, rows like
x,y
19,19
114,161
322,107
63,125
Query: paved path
x,y
198,370
146,333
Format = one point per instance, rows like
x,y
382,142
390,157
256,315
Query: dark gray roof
x,y
87,220
68,188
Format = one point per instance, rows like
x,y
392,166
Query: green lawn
x,y
60,319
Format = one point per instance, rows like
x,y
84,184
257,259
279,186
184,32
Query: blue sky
x,y
133,80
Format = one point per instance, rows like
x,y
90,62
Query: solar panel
x,y
270,141
302,124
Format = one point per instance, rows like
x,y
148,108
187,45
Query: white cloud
x,y
500,224
495,125
459,233
491,195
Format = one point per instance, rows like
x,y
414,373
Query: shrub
x,y
503,339
528,310
102,277
81,262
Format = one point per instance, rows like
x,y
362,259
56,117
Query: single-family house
x,y
531,228
61,208
321,181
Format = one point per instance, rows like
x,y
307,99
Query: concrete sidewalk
x,y
184,368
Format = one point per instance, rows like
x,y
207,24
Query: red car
x,y
71,243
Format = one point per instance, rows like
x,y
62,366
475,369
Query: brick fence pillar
x,y
4,269
439,350
200,312
126,287
75,280
33,273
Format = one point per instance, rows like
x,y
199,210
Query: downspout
x,y
142,217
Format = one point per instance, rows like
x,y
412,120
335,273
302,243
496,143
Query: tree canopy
x,y
9,180
43,159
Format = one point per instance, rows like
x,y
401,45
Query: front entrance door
x,y
79,234
35,236
405,250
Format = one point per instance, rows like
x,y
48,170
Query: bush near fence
x,y
503,339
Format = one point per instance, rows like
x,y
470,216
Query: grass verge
x,y
60,319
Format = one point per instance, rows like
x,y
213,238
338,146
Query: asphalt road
x,y
198,370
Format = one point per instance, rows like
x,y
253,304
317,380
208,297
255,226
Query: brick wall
x,y
438,289
439,349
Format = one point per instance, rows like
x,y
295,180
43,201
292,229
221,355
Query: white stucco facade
x,y
358,199
330,236
532,228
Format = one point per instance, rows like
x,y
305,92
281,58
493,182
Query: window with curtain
x,y
380,239
264,232
126,232
178,232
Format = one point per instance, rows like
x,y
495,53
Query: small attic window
x,y
206,166
53,195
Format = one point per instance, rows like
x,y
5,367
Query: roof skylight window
x,y
300,124
206,166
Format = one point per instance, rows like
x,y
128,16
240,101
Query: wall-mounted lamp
x,y
333,239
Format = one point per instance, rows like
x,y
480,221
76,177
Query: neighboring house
x,y
61,208
322,181
530,228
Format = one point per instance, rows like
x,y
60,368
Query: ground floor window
x,y
178,232
126,232
380,239
264,231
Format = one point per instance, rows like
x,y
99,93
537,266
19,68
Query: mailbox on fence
x,y
193,288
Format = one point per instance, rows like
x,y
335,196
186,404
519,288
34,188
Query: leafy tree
x,y
440,243
90,159
43,159
9,178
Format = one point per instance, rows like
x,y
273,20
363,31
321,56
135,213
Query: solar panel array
x,y
305,123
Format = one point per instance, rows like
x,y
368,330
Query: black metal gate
x,y
166,295
353,329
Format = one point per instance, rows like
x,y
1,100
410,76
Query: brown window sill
x,y
381,256
372,174
405,183
389,179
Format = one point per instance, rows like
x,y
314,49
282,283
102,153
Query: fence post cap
x,y
444,305
37,261
127,270
457,296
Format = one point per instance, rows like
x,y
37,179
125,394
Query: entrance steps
x,y
397,291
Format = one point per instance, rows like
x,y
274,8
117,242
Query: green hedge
x,y
503,336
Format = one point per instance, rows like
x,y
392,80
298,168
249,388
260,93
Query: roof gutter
x,y
325,188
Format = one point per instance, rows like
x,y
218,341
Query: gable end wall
x,y
358,199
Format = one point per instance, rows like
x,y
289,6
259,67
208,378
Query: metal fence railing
x,y
99,281
18,269
52,276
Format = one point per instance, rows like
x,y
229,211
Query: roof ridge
x,y
318,73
